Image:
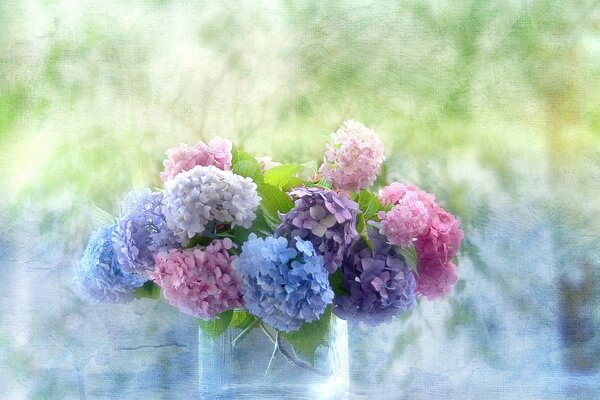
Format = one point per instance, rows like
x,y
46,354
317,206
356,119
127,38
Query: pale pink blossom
x,y
199,281
184,158
409,217
353,158
266,163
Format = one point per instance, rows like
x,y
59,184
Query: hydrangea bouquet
x,y
239,241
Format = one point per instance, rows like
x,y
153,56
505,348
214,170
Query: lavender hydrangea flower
x,y
142,232
99,275
197,198
285,284
379,283
324,218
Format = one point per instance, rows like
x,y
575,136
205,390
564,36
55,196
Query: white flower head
x,y
196,199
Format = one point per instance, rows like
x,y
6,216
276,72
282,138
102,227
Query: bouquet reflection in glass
x,y
272,259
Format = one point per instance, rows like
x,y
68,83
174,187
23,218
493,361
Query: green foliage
x,y
335,280
102,217
410,255
273,202
282,176
216,326
369,205
310,335
149,290
248,168
242,319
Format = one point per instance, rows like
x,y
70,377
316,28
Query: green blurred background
x,y
492,105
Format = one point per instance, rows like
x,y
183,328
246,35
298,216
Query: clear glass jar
x,y
259,365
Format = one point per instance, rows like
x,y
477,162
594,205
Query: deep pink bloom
x,y
199,281
410,216
353,157
435,279
441,240
184,158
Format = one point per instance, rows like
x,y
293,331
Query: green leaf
x,y
281,175
369,205
242,319
198,241
335,280
102,217
361,228
274,201
248,168
410,254
215,327
148,290
312,165
310,336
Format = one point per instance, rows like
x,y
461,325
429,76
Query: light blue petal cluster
x,y
142,231
99,274
285,284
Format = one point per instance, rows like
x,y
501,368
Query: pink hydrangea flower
x,y
434,279
199,281
184,158
441,240
410,215
353,157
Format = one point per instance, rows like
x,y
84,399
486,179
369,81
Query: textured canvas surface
x,y
492,105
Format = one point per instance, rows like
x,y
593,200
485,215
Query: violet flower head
x,y
353,158
285,284
379,282
184,158
99,275
199,281
141,232
324,218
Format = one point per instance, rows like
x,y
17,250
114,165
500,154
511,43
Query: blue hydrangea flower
x,y
99,274
379,282
142,232
324,218
285,284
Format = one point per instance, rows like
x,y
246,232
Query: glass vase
x,y
259,364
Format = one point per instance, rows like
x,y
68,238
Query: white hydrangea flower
x,y
195,199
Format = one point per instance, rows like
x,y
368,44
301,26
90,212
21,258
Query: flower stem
x,y
245,332
286,354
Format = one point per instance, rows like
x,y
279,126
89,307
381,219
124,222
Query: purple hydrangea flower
x,y
324,218
379,282
142,232
99,275
285,284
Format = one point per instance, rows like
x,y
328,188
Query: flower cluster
x,y
196,241
99,274
184,158
379,282
141,231
416,219
285,283
324,218
196,199
435,249
353,158
409,216
199,281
